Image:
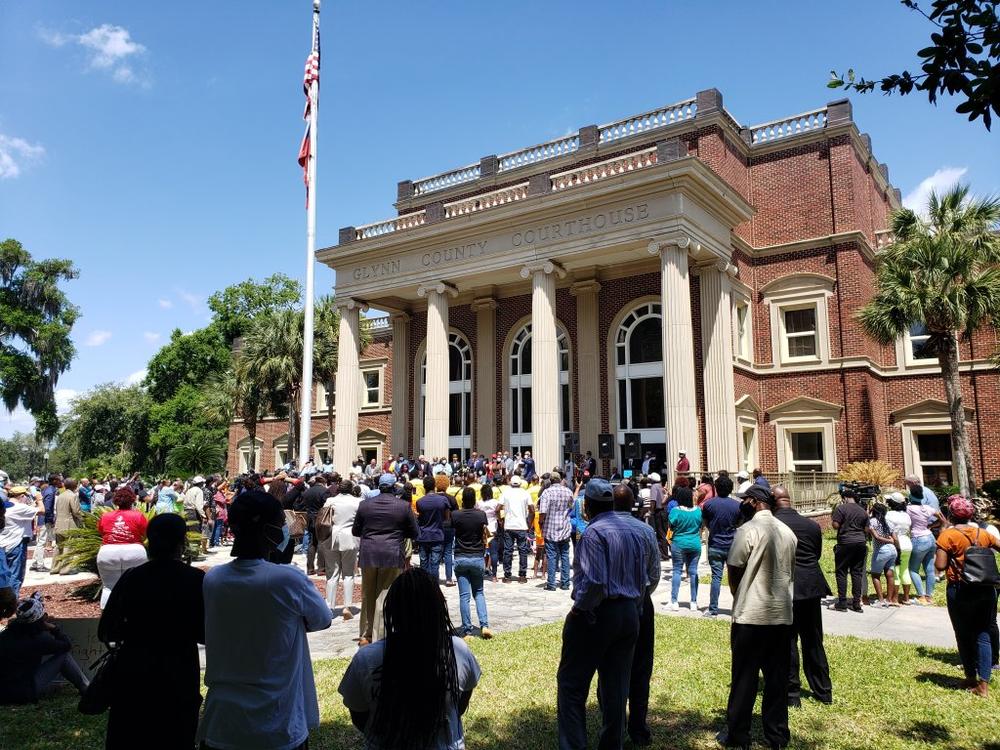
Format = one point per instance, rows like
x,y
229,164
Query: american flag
x,y
311,74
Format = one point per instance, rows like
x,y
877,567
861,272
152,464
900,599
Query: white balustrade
x,y
446,179
613,167
395,224
484,201
373,325
788,126
535,154
656,118
884,238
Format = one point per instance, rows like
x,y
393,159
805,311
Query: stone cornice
x,y
810,243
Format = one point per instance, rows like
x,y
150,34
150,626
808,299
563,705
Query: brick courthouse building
x,y
672,280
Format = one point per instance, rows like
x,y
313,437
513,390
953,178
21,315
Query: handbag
x,y
980,567
296,520
96,699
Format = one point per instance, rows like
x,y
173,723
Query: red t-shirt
x,y
123,527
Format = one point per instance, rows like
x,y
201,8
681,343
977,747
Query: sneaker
x,y
565,588
550,588
709,613
486,634
522,579
674,607
857,608
449,583
348,615
838,607
508,579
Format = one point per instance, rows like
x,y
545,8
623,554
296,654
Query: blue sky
x,y
154,144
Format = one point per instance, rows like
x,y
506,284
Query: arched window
x,y
639,378
520,436
459,396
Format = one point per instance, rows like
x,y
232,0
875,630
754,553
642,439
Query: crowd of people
x,y
395,525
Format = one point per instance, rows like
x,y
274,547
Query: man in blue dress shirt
x,y
616,566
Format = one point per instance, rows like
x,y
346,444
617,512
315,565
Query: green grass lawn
x,y
886,696
826,564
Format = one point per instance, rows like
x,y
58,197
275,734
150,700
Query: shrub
x,y
869,472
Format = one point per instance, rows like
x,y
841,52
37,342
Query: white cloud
x,y
15,153
136,377
97,338
151,337
939,182
109,49
193,300
165,303
18,420
64,399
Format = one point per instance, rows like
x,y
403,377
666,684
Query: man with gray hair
x,y
929,497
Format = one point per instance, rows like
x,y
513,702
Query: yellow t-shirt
x,y
418,492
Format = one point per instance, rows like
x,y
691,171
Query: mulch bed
x,y
78,599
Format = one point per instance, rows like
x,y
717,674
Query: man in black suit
x,y
810,587
590,464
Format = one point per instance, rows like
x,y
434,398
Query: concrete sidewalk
x,y
518,605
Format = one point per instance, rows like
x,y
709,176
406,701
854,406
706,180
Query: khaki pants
x,y
374,583
59,565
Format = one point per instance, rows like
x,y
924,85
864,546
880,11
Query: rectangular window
x,y
919,339
748,438
807,451
935,457
372,382
525,410
647,403
564,407
622,406
326,395
515,412
800,332
743,330
455,414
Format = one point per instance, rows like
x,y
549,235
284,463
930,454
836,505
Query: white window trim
x,y
243,454
905,358
784,336
748,461
629,372
741,353
799,291
463,442
911,450
323,440
524,381
366,405
279,445
785,427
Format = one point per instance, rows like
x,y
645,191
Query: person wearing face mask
x,y
246,675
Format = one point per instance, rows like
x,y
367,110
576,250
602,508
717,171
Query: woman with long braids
x,y
377,687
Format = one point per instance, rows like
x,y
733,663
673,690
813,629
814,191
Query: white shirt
x,y
744,486
489,507
515,502
899,524
261,693
20,522
345,508
359,688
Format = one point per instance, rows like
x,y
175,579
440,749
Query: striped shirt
x,y
555,504
614,559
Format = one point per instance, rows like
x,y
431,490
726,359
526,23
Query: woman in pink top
x,y
923,520
123,532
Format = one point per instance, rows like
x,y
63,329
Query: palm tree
x,y
236,394
272,348
201,453
940,273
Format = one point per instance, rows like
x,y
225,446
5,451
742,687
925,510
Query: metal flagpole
x,y
305,417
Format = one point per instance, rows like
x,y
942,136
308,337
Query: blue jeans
x,y
217,533
717,560
449,553
971,610
496,552
470,571
557,551
17,560
682,558
520,540
304,544
922,557
430,557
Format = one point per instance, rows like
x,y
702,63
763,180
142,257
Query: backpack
x,y
324,523
980,567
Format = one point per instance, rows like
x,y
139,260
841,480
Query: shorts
x,y
883,560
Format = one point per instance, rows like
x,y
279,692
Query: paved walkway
x,y
516,605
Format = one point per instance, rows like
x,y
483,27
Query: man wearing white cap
x,y
744,482
683,465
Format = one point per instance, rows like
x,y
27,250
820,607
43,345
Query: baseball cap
x,y
387,478
757,494
654,477
515,481
598,488
18,490
742,475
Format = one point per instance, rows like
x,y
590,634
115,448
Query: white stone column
x,y
436,386
678,364
485,383
400,382
588,396
717,349
348,395
544,365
